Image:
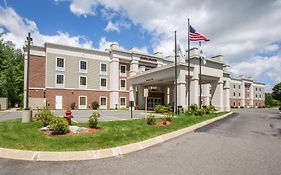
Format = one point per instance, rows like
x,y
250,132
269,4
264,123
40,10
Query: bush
x,y
199,112
95,105
93,120
58,125
150,120
45,116
209,109
72,105
191,110
162,109
167,117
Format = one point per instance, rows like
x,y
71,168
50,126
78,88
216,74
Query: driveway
x,y
247,142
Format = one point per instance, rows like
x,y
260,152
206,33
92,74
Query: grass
x,y
14,134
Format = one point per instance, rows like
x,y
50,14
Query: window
x,y
60,80
60,64
256,95
234,86
234,94
256,89
123,102
82,102
103,104
83,66
123,70
83,82
239,86
234,103
103,83
239,104
239,94
103,68
260,89
123,84
260,95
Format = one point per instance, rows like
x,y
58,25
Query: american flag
x,y
195,36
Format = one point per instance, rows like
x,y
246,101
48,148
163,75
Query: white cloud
x,y
271,48
17,27
85,7
104,44
112,27
236,31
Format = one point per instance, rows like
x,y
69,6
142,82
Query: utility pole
x,y
27,113
200,83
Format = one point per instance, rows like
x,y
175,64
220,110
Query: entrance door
x,y
152,102
58,102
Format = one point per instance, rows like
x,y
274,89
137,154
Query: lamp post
x,y
27,113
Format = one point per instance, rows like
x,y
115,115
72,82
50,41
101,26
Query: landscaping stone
x,y
76,129
46,128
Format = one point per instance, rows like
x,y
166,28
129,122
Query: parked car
x,y
280,109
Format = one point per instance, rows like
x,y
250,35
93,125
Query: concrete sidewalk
x,y
103,153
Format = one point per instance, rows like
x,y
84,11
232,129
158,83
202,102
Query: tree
x,y
276,92
11,72
270,101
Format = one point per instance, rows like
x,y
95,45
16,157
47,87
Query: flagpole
x,y
200,90
176,82
188,62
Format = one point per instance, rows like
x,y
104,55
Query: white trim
x,y
60,68
123,88
102,87
101,72
103,106
122,74
82,70
59,85
87,89
84,106
123,106
83,86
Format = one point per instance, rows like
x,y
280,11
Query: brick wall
x,y
70,96
125,94
258,103
232,100
37,71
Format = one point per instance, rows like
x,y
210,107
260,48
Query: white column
x,y
243,94
114,82
181,88
172,95
251,95
132,94
140,97
217,91
194,91
207,94
134,66
226,91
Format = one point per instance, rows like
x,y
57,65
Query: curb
x,y
103,153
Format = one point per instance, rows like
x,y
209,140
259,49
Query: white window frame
x,y
85,104
59,85
101,72
123,74
60,68
82,70
234,94
123,106
123,88
103,106
83,86
103,87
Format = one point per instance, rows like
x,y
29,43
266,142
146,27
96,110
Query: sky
x,y
246,33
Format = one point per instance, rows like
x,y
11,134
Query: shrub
x,y
93,120
58,125
200,112
210,109
167,117
45,116
191,110
72,105
162,109
150,120
95,105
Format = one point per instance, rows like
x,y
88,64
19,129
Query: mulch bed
x,y
161,123
90,131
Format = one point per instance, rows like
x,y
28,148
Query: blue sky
x,y
247,36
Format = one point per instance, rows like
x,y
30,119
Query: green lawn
x,y
14,134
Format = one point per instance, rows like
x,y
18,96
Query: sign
x,y
145,93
